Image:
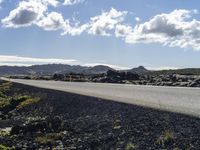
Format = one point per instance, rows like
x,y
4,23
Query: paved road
x,y
175,99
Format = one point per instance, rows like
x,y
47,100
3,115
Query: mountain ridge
x,y
49,69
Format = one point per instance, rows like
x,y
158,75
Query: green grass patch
x,y
3,147
4,102
28,101
16,102
4,99
4,87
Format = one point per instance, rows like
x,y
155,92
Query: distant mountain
x,y
10,70
139,70
97,69
186,71
50,69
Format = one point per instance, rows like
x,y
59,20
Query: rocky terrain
x,y
156,80
122,77
170,80
33,118
104,74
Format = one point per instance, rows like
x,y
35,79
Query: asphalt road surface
x,y
174,99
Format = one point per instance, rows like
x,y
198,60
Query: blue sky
x,y
122,34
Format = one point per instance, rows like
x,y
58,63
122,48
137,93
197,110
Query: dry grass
x,y
48,138
130,146
166,137
3,147
8,103
28,101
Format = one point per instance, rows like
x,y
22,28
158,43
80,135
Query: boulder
x,y
132,76
59,77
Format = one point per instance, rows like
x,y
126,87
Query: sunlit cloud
x,y
109,65
26,14
177,28
28,61
72,2
137,19
162,68
10,60
1,1
99,25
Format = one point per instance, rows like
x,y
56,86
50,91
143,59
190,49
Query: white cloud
x,y
35,12
109,65
75,30
72,2
50,2
28,12
20,61
161,68
137,19
1,1
25,14
123,30
28,61
100,25
175,29
53,21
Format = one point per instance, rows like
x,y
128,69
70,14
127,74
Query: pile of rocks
x,y
115,77
50,124
156,80
170,80
127,77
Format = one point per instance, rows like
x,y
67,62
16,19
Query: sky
x,y
123,34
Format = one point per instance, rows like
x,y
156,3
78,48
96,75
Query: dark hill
x,y
139,70
50,69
